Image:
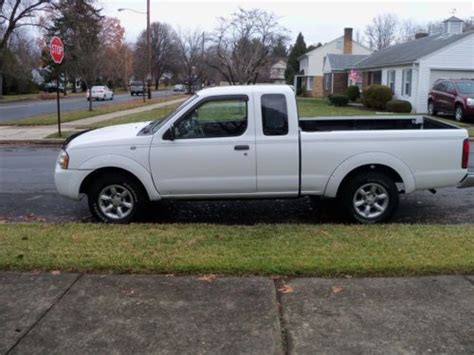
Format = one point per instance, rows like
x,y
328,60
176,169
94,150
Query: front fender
x,y
125,163
376,158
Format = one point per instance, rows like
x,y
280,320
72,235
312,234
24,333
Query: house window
x,y
327,82
391,80
339,44
309,85
406,87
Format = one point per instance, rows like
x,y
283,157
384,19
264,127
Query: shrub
x,y
353,92
338,100
398,106
376,96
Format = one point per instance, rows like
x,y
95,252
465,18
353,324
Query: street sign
x,y
56,49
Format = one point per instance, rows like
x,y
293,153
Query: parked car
x,y
179,88
137,88
248,142
100,93
454,97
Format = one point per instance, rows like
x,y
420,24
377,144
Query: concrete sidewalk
x,y
74,313
38,133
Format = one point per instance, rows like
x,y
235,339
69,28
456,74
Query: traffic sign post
x,y
56,50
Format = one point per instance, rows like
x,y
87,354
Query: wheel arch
x,y
381,162
110,164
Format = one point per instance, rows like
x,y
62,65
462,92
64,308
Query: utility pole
x,y
148,44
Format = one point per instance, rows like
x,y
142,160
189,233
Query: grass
x,y
64,134
49,119
136,117
318,250
310,107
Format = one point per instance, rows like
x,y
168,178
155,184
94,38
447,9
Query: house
x,y
277,72
310,76
338,73
411,68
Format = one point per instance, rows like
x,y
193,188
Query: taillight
x,y
465,154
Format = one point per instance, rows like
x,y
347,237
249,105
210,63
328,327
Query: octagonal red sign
x,y
56,49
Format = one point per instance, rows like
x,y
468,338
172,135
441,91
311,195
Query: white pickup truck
x,y
248,142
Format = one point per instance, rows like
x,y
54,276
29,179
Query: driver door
x,y
210,153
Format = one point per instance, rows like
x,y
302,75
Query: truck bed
x,y
362,123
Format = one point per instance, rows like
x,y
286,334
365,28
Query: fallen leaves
x,y
285,289
336,289
207,278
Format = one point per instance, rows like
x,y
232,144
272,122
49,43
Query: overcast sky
x,y
319,21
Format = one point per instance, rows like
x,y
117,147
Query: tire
x,y
132,94
431,108
459,113
111,98
130,204
370,208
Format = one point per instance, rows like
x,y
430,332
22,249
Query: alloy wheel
x,y
371,200
116,201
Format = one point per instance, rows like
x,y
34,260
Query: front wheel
x,y
431,108
370,198
116,199
459,113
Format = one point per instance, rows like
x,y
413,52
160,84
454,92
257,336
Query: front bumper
x,y
468,181
68,182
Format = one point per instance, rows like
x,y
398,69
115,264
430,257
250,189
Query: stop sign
x,y
56,49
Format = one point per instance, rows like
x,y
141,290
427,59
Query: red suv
x,y
454,96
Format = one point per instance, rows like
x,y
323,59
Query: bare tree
x,y
191,54
164,48
382,32
15,14
243,43
407,30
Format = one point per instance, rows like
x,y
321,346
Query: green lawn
x,y
285,249
310,107
151,115
49,119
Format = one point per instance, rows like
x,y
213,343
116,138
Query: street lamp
x,y
148,42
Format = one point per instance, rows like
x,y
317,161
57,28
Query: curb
x,y
32,141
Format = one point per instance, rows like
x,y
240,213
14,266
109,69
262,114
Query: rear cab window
x,y
274,115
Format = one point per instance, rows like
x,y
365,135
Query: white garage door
x,y
450,74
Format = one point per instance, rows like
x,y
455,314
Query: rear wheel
x,y
116,199
459,113
431,108
370,198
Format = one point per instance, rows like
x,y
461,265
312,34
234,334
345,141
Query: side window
x,y
274,115
450,87
442,86
214,119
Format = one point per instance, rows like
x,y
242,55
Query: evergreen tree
x,y
79,23
298,49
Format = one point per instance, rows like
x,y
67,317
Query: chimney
x,y
347,40
420,34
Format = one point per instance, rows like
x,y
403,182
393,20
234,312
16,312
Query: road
x,y
28,193
19,110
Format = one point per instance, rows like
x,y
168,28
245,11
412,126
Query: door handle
x,y
241,147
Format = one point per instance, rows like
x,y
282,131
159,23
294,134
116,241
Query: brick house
x,y
310,76
338,75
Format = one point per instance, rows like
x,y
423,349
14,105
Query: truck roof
x,y
245,89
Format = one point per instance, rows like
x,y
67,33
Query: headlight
x,y
63,159
470,101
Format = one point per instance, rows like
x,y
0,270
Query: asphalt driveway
x,y
28,193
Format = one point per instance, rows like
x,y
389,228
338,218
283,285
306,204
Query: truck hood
x,y
112,135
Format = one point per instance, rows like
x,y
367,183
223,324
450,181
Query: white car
x,y
247,142
179,88
100,93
